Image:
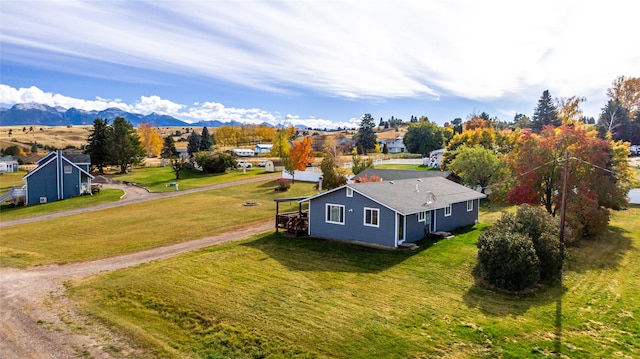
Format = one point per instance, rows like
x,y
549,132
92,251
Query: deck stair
x,y
14,195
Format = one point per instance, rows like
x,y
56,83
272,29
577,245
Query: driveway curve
x,y
134,194
36,319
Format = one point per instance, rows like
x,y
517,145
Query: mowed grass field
x,y
139,226
158,179
277,297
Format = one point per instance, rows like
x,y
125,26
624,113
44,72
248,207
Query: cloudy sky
x,y
315,62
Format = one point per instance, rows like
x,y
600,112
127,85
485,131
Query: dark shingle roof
x,y
77,157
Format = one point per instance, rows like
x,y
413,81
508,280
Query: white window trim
x,y
470,205
326,213
422,216
364,221
67,169
448,209
349,192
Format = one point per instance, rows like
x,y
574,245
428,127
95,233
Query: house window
x,y
349,192
470,206
422,216
67,169
335,214
447,211
371,217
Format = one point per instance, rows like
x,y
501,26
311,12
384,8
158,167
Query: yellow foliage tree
x,y
301,153
150,139
569,111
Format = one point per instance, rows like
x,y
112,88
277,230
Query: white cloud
x,y
483,51
148,104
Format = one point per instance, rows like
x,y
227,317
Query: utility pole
x,y
563,205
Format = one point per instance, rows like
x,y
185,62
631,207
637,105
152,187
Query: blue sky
x,y
319,63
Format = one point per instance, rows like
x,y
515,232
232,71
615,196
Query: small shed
x,y
263,147
8,164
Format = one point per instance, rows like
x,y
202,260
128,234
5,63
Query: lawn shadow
x,y
322,255
604,252
501,303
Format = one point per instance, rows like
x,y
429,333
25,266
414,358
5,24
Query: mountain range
x,y
34,114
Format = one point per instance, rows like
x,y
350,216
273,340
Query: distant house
x,y
241,152
59,175
435,158
8,164
390,213
394,145
263,147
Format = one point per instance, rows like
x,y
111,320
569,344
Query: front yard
x,y
271,296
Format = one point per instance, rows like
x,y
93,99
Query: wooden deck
x,y
295,224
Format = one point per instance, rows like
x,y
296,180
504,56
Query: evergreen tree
x,y
125,148
206,140
97,148
193,144
614,121
366,137
545,113
169,148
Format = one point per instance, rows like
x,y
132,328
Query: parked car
x,y
243,163
262,163
634,149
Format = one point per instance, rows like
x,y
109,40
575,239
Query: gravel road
x,y
37,321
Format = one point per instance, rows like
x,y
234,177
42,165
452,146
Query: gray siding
x,y
353,228
459,216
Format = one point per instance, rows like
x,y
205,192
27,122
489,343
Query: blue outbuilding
x,y
59,175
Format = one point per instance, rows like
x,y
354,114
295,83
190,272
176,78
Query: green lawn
x,y
9,179
157,179
135,227
278,297
105,196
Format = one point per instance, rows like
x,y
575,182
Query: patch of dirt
x,y
38,321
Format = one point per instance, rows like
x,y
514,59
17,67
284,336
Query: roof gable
x,y
51,157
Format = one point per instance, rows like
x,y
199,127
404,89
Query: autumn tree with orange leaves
x,y
300,153
598,177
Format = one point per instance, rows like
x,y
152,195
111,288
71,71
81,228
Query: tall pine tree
x,y
366,137
125,148
206,140
193,143
545,113
98,148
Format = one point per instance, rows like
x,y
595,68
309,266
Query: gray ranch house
x,y
59,175
391,213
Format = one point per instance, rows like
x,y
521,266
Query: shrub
x,y
214,162
283,184
586,218
508,260
533,225
538,224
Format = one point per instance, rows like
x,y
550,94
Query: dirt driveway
x,y
37,321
